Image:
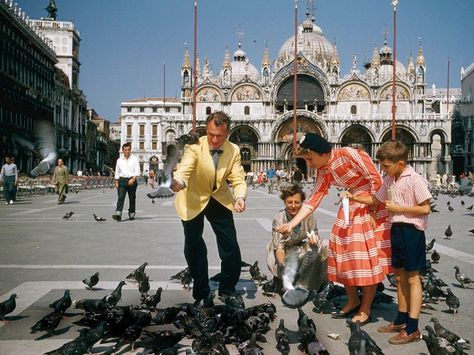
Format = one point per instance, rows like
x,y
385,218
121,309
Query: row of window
x,y
154,130
15,119
246,110
153,109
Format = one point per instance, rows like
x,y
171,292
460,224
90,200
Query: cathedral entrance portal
x,y
246,138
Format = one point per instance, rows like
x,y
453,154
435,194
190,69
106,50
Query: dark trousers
x,y
195,251
122,190
8,187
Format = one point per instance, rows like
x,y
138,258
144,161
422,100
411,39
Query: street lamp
x,y
394,90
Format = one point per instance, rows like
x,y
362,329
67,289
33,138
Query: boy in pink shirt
x,y
407,198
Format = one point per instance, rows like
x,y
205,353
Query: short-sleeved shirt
x,y
410,189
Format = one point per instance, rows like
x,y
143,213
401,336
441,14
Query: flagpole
x,y
295,76
194,67
394,88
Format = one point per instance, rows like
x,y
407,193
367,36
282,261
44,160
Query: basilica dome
x,y
311,43
242,67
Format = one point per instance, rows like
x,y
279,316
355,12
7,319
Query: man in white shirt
x,y
127,171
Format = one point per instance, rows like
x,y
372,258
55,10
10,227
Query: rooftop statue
x,y
52,9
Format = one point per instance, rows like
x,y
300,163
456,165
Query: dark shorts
x,y
408,247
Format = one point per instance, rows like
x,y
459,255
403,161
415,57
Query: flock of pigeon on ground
x,y
160,330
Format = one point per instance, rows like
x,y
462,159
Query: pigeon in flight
x,y
92,281
68,215
7,307
470,207
164,191
98,219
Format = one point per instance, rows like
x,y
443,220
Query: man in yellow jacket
x,y
201,182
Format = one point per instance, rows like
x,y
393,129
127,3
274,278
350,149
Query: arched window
x,y
354,110
208,110
246,110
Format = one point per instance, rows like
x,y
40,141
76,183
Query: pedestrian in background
x,y
127,171
9,176
60,181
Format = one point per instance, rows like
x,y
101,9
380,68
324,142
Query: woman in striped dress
x,y
359,254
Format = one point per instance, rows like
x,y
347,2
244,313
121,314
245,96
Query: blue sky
x,y
125,42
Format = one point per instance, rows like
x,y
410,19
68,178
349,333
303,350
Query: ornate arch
x,y
246,92
440,132
354,90
358,134
209,93
311,117
244,138
308,69
403,92
398,130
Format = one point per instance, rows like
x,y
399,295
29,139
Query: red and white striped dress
x,y
359,254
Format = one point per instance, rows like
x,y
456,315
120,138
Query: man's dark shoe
x,y
131,216
117,217
205,302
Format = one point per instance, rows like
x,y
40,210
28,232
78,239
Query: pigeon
x,y
144,286
281,337
159,341
435,257
92,281
470,207
256,274
430,245
433,208
452,301
98,219
360,341
471,231
184,276
450,208
462,279
48,323
63,303
7,307
448,203
442,332
68,215
138,273
164,191
462,203
116,295
152,300
91,305
448,232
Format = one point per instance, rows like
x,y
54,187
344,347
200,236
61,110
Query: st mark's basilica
x,y
352,108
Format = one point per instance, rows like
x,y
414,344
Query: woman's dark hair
x,y
292,190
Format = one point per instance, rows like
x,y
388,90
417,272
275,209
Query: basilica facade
x,y
351,108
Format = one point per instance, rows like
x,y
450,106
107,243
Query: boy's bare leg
x,y
402,290
416,299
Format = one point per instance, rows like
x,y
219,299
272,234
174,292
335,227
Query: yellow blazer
x,y
197,171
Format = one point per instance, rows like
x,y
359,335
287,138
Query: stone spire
x,y
335,56
411,64
420,59
375,56
226,63
187,62
266,57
